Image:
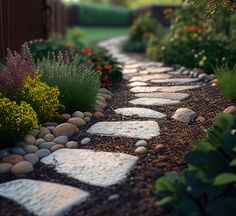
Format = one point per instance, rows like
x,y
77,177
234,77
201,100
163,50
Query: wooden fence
x,y
24,20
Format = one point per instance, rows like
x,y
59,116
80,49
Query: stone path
x,y
99,168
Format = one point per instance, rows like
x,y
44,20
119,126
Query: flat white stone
x,y
132,129
153,101
176,80
166,95
43,198
144,78
130,66
141,112
147,89
130,71
133,84
96,168
153,70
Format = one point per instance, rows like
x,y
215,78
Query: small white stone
x,y
114,197
185,115
85,141
78,114
153,101
140,150
141,143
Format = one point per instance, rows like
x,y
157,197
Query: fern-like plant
x,y
78,83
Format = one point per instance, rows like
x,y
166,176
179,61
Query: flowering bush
x,y
17,68
15,120
104,64
78,83
193,44
43,98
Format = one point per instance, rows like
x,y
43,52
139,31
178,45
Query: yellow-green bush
x,y
15,120
43,98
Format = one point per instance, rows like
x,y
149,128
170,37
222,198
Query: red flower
x,y
107,67
99,67
88,51
106,78
88,62
69,46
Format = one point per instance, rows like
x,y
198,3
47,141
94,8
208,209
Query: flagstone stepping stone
x,y
144,78
133,84
176,80
132,129
147,89
96,168
152,70
43,198
153,101
131,66
166,95
129,71
141,112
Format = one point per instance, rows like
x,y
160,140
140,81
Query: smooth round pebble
x,y
5,167
22,168
29,140
39,141
87,119
13,159
77,121
51,128
48,124
101,104
19,144
98,108
18,150
78,114
61,140
46,145
72,145
65,116
140,150
56,147
44,131
85,141
34,132
141,143
88,114
49,137
30,148
98,115
114,197
159,146
3,153
230,110
32,158
65,129
41,153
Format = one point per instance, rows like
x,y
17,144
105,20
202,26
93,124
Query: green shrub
x,y
207,187
140,33
95,15
15,120
227,81
43,98
78,83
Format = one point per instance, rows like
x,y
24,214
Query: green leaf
x,y
190,207
224,178
167,201
204,146
164,185
222,207
233,163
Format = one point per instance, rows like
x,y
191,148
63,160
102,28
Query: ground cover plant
x,y
207,186
78,83
140,33
226,80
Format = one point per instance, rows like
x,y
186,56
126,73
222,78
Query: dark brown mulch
x,y
137,193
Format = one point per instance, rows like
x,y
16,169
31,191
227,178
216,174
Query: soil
x,y
137,194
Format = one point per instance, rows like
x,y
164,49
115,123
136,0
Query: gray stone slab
x,y
166,95
130,71
96,168
153,101
132,129
153,70
141,112
133,84
147,89
130,66
144,78
176,80
43,198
